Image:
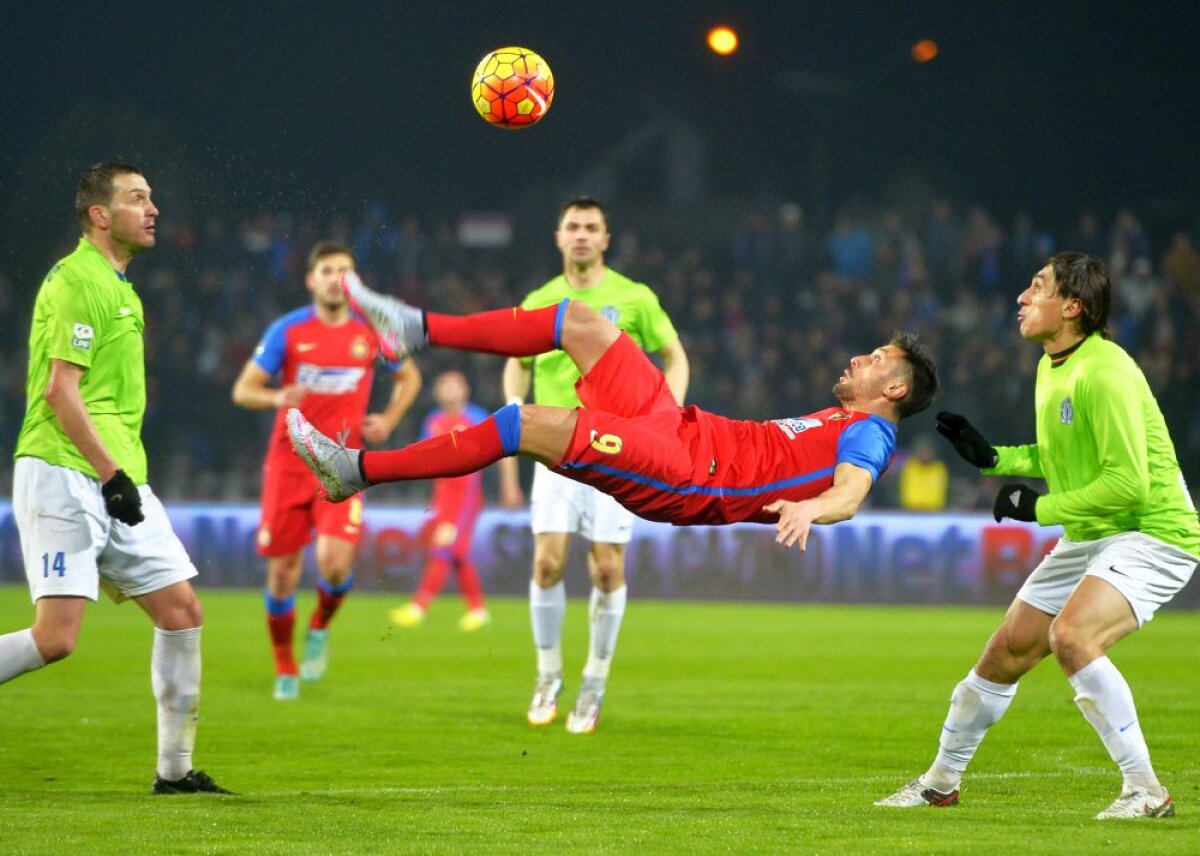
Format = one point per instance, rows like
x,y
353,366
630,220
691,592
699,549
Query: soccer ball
x,y
512,88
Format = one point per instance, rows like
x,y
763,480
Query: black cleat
x,y
195,782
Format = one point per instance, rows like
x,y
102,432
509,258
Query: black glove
x,y
122,499
968,442
1016,501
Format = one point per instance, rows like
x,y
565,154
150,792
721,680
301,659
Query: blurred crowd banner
x,y
875,558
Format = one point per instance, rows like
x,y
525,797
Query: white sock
x,y
976,705
18,654
605,611
547,609
175,677
1106,701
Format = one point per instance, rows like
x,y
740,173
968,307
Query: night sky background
x,y
1049,107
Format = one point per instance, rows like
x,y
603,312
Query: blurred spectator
x,y
924,478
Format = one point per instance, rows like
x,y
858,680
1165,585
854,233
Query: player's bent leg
x,y
334,559
547,611
1095,617
175,678
978,702
606,610
283,575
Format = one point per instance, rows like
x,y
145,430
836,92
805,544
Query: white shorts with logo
x,y
558,504
1147,572
71,546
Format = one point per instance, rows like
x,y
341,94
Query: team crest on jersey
x,y
840,416
610,314
1066,413
81,337
796,425
360,348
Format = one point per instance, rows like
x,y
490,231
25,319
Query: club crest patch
x,y
610,314
1066,412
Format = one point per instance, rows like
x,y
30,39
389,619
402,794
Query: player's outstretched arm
x,y
850,487
251,390
676,369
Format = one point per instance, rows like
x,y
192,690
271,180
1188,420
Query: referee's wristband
x,y
515,399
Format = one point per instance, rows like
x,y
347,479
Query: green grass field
x,y
735,728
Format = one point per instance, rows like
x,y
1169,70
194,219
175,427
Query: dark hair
x,y
96,188
922,374
321,249
587,203
1084,278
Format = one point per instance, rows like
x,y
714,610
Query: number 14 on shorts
x,y
58,564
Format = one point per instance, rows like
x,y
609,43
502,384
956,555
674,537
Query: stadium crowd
x,y
764,316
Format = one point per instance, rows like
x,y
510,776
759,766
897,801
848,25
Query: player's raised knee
x,y
584,325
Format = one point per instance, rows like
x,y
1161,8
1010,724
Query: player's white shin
x,y
605,611
976,705
1104,697
547,609
175,677
18,654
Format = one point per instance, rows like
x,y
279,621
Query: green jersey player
x,y
560,507
1130,536
85,514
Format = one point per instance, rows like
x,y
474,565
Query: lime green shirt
x,y
630,305
1104,451
88,314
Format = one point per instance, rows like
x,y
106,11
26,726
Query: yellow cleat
x,y
410,615
475,619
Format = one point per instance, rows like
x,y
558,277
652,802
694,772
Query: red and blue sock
x,y
281,619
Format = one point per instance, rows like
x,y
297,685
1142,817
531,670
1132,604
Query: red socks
x,y
507,332
453,454
280,627
468,584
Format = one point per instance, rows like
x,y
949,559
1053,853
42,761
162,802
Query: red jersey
x,y
687,466
451,495
334,362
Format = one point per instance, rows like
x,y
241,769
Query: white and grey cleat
x,y
400,328
916,794
543,708
335,466
1136,803
586,713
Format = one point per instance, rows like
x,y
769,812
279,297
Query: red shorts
x,y
632,440
449,532
292,507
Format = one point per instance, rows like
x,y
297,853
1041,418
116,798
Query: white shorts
x,y
1147,572
558,504
71,546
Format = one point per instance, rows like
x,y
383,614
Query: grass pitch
x,y
734,728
